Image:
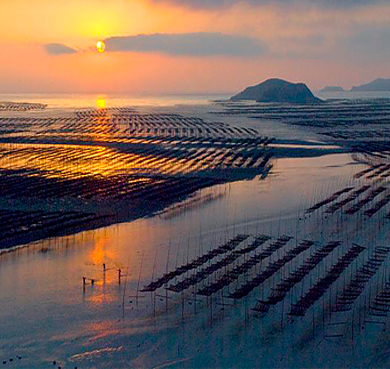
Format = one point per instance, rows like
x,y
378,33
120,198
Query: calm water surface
x,y
44,311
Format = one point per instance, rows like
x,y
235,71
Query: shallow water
x,y
106,101
45,314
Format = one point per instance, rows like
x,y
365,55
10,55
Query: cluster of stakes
x,y
101,158
358,205
216,272
20,106
29,226
357,284
295,277
333,114
228,246
319,289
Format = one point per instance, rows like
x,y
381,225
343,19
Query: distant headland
x,y
332,89
377,85
278,90
380,84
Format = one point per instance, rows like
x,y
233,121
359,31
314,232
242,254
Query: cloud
x,y
58,49
370,42
311,47
190,44
321,3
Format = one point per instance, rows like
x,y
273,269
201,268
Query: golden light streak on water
x,y
77,161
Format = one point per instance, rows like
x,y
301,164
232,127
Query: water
x,y
42,284
107,101
113,100
47,314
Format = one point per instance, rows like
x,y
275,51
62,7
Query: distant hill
x,y
278,90
332,89
380,84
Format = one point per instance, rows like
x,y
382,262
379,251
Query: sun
x,y
101,103
100,46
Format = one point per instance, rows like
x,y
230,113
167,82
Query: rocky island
x,y
278,90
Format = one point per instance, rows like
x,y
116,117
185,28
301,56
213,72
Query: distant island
x,y
332,89
380,84
278,90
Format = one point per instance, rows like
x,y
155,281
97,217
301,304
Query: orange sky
x,y
314,44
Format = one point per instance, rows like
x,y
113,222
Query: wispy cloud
x,y
59,49
190,44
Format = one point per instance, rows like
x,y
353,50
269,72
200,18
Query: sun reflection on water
x,y
99,253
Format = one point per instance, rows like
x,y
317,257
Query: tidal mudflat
x,y
224,234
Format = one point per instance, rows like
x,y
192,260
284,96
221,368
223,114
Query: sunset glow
x,y
292,42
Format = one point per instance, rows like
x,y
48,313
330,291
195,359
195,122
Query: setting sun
x,y
100,46
101,103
